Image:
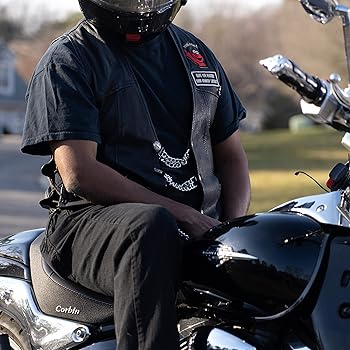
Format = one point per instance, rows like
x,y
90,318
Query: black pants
x,y
131,252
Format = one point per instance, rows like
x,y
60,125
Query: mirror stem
x,y
343,11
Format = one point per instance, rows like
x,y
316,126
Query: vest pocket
x,y
129,136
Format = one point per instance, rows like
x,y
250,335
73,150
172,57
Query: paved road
x,y
21,187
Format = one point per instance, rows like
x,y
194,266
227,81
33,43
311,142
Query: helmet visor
x,y
136,6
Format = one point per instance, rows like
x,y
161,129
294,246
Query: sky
x,y
73,5
34,12
59,8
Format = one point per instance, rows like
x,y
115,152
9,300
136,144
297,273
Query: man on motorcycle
x,y
143,125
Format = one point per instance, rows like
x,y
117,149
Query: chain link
x,y
176,163
187,186
171,162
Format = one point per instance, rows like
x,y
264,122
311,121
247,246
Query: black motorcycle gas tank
x,y
279,254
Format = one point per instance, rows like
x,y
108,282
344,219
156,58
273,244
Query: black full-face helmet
x,y
132,20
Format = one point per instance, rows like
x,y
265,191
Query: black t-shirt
x,y
62,106
167,90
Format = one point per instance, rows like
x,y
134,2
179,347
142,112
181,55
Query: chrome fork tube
x,y
343,12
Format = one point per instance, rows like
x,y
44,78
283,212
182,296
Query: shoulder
x,y
60,51
191,38
185,33
192,42
73,48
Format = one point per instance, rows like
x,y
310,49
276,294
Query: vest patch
x,y
192,53
207,78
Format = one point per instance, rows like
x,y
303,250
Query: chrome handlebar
x,y
309,87
331,103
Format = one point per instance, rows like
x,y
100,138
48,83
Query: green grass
x,y
274,157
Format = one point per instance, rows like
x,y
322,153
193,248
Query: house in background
x,y
12,93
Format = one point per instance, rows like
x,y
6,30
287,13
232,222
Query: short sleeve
x,y
60,105
229,113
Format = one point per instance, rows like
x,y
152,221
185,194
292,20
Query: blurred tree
x,y
240,41
317,48
9,27
29,50
279,107
67,23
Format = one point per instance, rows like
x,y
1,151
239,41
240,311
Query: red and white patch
x,y
192,53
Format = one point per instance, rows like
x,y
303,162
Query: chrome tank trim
x,y
321,207
220,298
219,339
216,339
298,347
45,332
103,345
220,254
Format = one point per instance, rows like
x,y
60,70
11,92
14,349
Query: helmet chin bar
x,y
130,27
137,29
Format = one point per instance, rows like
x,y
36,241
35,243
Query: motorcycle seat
x,y
59,297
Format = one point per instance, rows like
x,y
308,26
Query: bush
x,y
279,109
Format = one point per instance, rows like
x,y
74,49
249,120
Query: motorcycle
x,y
277,280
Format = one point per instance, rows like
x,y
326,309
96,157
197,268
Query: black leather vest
x,y
125,122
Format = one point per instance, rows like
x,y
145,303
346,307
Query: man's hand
x,y
194,223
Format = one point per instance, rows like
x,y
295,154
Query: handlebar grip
x,y
312,89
